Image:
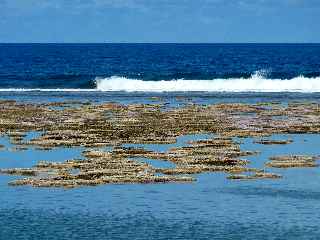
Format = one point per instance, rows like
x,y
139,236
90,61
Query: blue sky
x,y
159,21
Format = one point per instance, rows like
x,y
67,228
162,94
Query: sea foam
x,y
46,90
256,83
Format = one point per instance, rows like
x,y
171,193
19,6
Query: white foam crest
x,y
46,90
256,83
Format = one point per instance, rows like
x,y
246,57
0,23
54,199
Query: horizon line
x,y
160,43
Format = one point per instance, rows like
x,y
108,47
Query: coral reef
x,y
258,175
95,126
292,161
271,141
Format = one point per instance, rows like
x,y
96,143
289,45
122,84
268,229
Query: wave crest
x,y
256,83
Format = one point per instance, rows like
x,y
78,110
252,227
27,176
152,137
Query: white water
x,y
257,83
46,90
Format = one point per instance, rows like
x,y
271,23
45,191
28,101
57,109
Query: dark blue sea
x,y
211,208
161,67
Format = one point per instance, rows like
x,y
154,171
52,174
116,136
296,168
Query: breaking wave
x,y
256,83
46,90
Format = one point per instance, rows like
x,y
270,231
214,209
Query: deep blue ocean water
x,y
211,208
78,66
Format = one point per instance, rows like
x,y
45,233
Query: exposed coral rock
x,y
292,161
258,175
82,124
271,141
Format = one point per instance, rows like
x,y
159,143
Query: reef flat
x,y
96,127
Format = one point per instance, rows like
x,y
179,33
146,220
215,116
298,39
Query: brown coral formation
x,y
290,161
258,175
98,168
72,124
112,123
217,154
271,141
116,166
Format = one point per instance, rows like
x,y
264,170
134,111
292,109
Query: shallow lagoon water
x,y
210,208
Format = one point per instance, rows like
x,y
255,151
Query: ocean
x,y
213,207
161,67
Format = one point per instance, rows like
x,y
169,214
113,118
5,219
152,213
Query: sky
x,y
222,21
